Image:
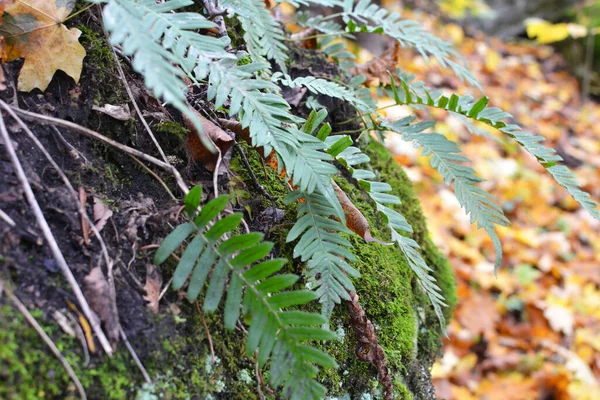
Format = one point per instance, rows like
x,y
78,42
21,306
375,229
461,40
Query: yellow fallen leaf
x,y
545,32
33,30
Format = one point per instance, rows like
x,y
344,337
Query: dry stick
x,y
7,219
58,256
92,226
134,355
41,119
162,183
135,105
210,344
21,307
80,206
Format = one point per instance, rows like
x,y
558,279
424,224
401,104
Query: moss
x,y
28,370
387,289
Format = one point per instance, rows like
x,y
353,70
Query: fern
x,y
169,47
262,33
321,86
477,110
368,17
349,157
446,159
212,257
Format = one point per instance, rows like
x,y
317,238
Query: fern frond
x,y
446,158
322,247
411,94
258,105
321,86
163,45
319,23
365,16
352,156
263,35
214,257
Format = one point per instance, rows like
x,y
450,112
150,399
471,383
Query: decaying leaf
x,y
376,70
101,213
355,220
33,30
120,113
218,136
152,287
97,292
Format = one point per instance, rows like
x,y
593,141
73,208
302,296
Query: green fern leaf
x,y
418,94
446,158
231,267
262,34
378,191
161,41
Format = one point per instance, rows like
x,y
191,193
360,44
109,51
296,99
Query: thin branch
x,y
47,232
23,310
45,119
135,357
162,183
4,216
130,94
210,343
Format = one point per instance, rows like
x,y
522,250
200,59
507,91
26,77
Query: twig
x,y
7,219
258,377
135,357
148,170
210,343
135,105
164,291
260,188
216,173
23,310
60,259
80,204
41,119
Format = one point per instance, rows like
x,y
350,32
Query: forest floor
x,y
534,331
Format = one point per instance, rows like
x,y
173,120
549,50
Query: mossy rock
x,y
177,353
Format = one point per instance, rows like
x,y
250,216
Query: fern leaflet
x,y
410,94
349,157
169,42
262,33
212,258
446,159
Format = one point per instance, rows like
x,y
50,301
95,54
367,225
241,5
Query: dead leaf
x,y
152,287
376,69
85,227
478,314
120,113
355,220
97,292
33,30
219,137
101,213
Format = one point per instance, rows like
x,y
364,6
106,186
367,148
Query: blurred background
x,y
534,331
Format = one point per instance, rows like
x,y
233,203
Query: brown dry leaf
x,y
97,292
85,227
101,213
219,137
152,287
120,113
478,314
33,29
376,70
355,220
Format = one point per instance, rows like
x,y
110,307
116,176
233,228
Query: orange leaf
x,y
218,136
33,30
